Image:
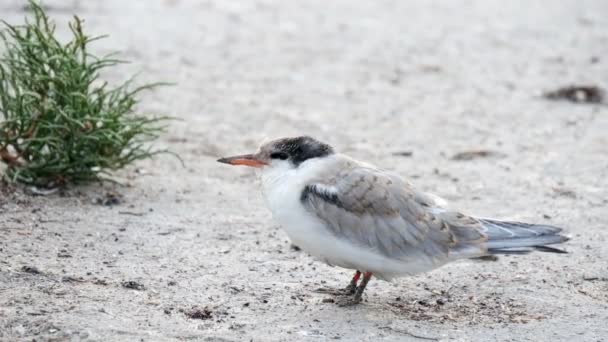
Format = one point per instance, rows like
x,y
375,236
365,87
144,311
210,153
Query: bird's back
x,y
379,211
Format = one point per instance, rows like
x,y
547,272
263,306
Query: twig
x,y
405,332
131,213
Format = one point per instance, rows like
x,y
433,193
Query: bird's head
x,y
285,153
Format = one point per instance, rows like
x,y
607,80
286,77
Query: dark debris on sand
x,y
109,199
577,94
133,285
198,313
477,154
31,270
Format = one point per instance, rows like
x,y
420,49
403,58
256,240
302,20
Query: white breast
x,y
282,187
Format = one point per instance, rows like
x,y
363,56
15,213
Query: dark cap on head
x,y
297,150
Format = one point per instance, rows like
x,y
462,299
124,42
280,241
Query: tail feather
x,y
521,238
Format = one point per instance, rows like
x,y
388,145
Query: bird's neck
x,y
312,170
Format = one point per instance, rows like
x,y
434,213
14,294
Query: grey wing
x,y
377,210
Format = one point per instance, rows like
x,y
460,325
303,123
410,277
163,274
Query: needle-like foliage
x,y
59,122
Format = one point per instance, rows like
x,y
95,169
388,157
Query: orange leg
x,y
358,292
366,278
347,291
352,287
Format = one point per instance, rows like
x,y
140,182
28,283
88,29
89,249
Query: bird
x,y
354,215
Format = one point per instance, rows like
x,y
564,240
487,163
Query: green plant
x,y
59,122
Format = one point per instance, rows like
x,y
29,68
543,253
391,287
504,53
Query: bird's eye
x,y
279,155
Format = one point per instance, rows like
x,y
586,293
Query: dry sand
x,y
191,253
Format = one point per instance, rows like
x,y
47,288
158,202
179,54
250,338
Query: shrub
x,y
59,122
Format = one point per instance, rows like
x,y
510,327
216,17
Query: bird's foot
x,y
352,293
347,291
348,301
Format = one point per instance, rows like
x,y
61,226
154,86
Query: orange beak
x,y
245,159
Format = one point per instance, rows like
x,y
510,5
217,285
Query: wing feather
x,y
377,210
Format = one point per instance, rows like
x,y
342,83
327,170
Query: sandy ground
x,y
191,253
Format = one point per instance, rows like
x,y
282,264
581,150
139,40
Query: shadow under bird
x,y
354,215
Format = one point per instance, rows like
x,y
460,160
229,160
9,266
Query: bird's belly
x,y
310,234
304,230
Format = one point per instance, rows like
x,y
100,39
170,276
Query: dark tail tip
x,y
550,249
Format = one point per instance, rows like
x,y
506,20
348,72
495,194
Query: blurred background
x,y
467,99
